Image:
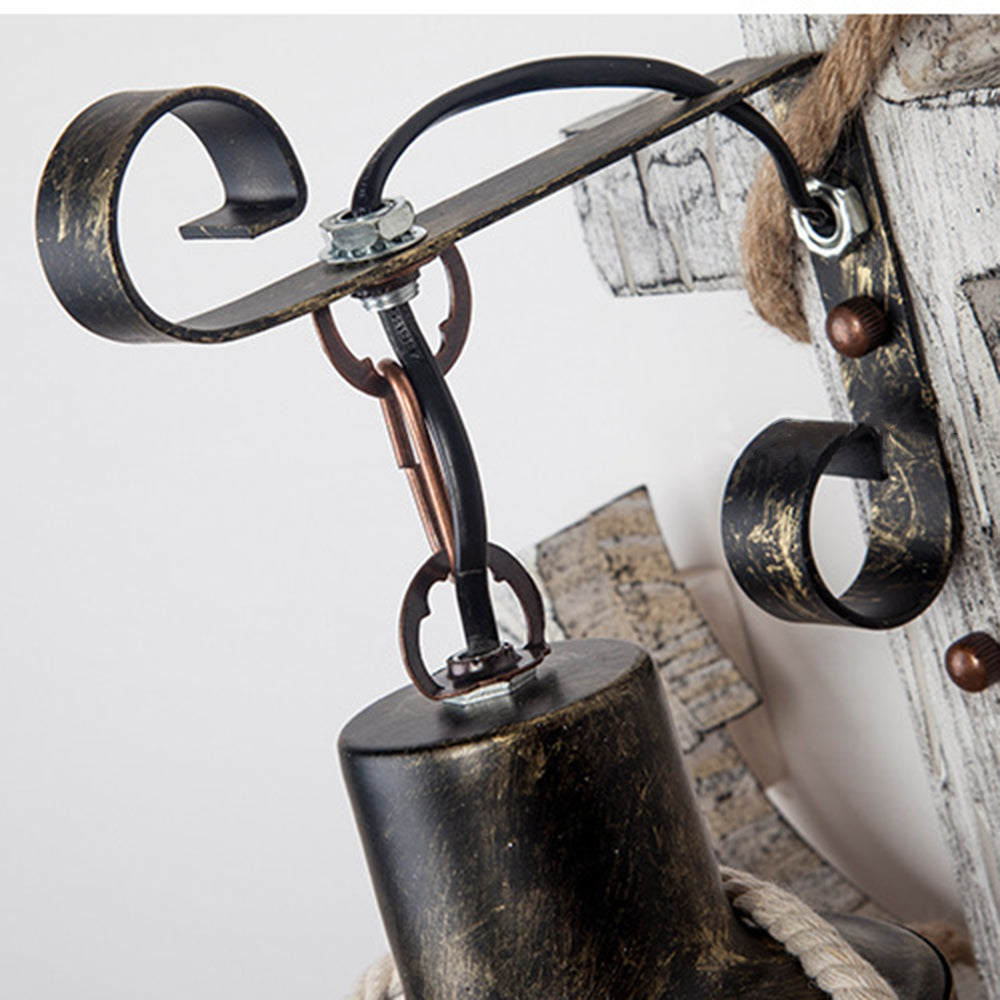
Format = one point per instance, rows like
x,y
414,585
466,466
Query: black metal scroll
x,y
78,199
912,519
77,212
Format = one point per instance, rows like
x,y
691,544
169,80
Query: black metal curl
x,y
78,200
76,216
893,444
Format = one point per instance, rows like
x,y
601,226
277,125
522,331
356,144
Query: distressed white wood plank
x,y
704,174
942,54
946,223
689,189
937,149
937,54
937,163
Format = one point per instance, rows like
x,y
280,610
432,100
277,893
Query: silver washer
x,y
389,300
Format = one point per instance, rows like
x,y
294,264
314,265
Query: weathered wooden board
x,y
706,172
689,190
936,55
937,147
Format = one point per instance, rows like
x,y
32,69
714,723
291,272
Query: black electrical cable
x,y
458,465
565,72
448,433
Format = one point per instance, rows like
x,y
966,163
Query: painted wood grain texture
x,y
689,190
936,144
610,575
937,159
703,174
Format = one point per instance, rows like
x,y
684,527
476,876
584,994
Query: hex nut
x,y
368,237
848,212
395,219
491,692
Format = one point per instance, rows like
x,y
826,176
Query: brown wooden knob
x,y
857,326
973,662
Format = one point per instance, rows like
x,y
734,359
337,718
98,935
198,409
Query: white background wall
x,y
204,548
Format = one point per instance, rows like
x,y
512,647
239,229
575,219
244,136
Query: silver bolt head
x,y
850,218
378,234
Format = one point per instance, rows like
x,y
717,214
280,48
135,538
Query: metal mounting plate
x,y
894,444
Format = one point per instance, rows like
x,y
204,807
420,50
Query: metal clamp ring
x,y
361,373
505,569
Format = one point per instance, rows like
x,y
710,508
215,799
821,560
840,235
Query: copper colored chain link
x,y
415,455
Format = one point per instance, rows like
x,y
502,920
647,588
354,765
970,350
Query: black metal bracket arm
x,y
77,211
893,442
893,445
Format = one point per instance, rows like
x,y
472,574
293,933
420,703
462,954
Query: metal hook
x,y
461,676
416,456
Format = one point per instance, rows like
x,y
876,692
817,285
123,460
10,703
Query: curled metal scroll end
x,y
263,182
78,199
893,441
766,523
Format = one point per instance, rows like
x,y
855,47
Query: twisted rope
x,y
379,982
824,954
834,91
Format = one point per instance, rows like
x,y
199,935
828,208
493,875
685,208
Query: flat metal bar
x,y
491,200
912,516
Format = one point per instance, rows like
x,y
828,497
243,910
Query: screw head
x,y
857,326
973,662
